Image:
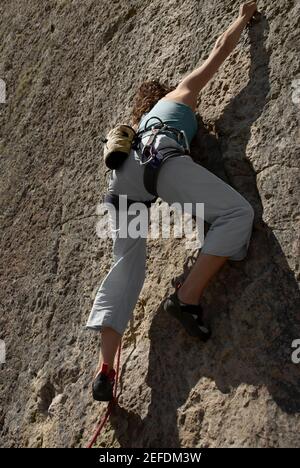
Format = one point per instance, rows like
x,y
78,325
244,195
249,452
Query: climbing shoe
x,y
190,316
103,384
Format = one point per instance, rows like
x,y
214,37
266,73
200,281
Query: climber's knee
x,y
245,218
248,213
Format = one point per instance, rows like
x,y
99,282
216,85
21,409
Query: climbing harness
x,y
148,153
122,138
152,155
110,406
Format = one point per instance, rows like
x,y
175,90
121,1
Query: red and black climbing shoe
x,y
189,315
103,384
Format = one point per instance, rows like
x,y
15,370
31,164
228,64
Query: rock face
x,y
71,70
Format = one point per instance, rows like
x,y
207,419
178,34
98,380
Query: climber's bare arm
x,y
188,89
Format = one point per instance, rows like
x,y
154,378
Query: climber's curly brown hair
x,y
147,95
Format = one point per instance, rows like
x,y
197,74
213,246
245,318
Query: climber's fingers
x,y
248,9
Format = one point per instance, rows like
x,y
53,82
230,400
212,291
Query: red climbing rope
x,y
110,405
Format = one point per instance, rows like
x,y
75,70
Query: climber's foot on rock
x,y
189,315
103,384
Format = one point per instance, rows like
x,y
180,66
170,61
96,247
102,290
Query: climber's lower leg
x,y
202,272
110,340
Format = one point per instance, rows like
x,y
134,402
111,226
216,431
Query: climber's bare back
x,y
186,97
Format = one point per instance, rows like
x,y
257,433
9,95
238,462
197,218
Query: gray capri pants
x,y
180,180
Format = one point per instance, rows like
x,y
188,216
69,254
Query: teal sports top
x,y
173,113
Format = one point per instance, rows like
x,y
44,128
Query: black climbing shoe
x,y
103,384
190,316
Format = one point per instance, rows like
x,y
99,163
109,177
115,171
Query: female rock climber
x,y
180,180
